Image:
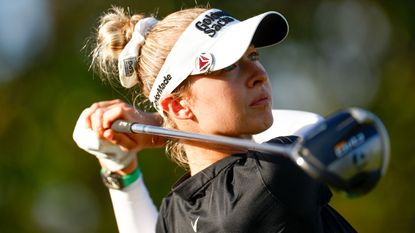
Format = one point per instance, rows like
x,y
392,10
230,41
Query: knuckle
x,y
118,102
117,111
125,106
98,113
85,113
94,106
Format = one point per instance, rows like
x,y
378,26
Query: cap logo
x,y
205,62
162,86
214,22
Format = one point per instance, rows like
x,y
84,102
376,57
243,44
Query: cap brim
x,y
213,41
262,30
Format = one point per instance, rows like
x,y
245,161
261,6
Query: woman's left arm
x,y
133,207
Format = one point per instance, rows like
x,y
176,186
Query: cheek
x,y
215,107
212,101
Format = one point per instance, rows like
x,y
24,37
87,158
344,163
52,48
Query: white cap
x,y
213,41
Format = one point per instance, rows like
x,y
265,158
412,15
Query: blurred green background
x,y
339,53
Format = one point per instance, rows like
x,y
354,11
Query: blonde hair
x,y
114,32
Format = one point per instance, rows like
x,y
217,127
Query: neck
x,y
202,155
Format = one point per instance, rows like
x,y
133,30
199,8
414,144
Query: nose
x,y
257,75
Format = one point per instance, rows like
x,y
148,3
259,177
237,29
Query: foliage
x,y
47,184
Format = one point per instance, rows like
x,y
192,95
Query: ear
x,y
176,107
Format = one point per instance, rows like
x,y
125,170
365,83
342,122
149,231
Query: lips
x,y
261,100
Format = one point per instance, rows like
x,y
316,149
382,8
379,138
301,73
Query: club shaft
x,y
128,127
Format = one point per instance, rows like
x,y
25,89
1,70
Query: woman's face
x,y
235,101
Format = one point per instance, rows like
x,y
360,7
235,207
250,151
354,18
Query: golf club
x,y
349,150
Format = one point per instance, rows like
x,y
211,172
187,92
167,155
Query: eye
x,y
254,56
230,68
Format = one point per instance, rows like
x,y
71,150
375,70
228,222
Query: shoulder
x,y
276,166
284,139
287,181
270,162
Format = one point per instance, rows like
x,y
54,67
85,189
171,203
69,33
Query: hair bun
x,y
114,31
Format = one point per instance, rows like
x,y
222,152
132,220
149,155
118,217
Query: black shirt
x,y
252,192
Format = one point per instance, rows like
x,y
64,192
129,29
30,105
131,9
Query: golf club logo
x,y
214,22
204,63
345,147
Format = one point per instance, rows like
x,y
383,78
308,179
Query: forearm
x,y
134,209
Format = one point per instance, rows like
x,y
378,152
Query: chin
x,y
267,122
266,125
261,124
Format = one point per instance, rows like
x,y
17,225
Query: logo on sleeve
x,y
214,22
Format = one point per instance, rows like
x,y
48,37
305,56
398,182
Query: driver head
x,y
349,151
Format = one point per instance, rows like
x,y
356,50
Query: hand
x,y
100,116
93,133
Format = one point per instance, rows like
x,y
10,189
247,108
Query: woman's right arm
x,y
133,207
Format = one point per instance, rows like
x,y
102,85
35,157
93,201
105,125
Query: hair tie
x,y
127,60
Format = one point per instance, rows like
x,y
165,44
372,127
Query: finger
x,y
104,104
114,113
158,141
85,117
88,112
96,122
123,140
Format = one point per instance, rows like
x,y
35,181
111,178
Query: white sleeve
x,y
134,209
289,122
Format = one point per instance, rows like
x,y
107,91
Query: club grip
x,y
122,126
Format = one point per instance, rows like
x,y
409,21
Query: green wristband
x,y
130,178
114,180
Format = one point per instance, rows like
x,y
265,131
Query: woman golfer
x,y
200,69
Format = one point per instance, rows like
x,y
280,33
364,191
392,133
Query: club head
x,y
349,150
